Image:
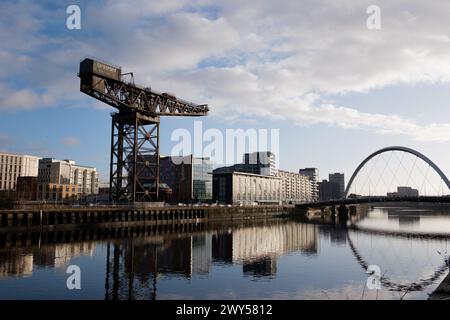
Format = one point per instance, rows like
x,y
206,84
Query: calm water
x,y
281,259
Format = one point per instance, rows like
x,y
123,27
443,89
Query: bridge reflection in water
x,y
279,258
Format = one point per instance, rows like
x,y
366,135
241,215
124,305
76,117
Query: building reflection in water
x,y
59,255
405,222
405,218
337,236
262,267
16,263
256,242
19,262
222,247
134,267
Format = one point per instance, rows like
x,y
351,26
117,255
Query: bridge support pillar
x,y
343,214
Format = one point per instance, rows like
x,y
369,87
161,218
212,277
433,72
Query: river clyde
x,y
280,258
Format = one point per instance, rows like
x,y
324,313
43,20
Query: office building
x,y
260,162
295,187
233,187
313,174
103,188
339,179
329,191
404,192
13,166
189,177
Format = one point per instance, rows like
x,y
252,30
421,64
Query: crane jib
x,y
103,82
135,144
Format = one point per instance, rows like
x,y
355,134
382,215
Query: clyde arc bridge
x,y
397,166
393,174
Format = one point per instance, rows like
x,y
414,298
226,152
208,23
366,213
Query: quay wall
x,y
32,220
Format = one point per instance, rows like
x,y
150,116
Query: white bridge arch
x,y
402,149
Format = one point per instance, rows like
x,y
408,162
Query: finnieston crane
x,y
134,166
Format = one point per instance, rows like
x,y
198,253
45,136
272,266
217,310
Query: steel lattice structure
x,y
134,163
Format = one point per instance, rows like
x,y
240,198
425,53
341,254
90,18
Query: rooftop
x,y
18,154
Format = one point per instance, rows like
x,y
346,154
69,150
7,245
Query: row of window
x,y
9,175
252,196
10,160
7,185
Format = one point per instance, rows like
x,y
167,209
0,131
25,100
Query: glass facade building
x,y
189,177
202,179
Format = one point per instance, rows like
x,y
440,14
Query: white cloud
x,y
23,99
70,141
273,60
184,41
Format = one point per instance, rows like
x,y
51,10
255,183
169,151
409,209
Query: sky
x,y
336,89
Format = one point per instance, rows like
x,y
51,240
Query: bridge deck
x,y
362,200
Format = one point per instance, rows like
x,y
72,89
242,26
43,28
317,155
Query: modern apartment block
x,y
313,174
66,179
13,166
295,187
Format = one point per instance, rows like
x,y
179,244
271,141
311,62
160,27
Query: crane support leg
x,y
134,167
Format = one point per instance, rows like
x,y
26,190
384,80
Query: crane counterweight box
x,y
93,67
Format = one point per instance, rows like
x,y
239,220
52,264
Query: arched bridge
x,y
402,149
359,199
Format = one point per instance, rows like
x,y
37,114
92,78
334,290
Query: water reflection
x,y
20,262
397,276
142,262
266,259
16,263
422,220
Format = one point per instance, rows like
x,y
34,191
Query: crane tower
x,y
134,163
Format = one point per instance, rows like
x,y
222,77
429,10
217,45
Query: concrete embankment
x,y
32,220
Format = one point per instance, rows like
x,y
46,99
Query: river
x,y
276,259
